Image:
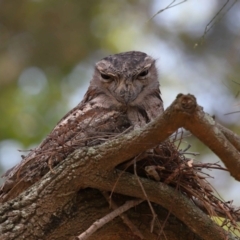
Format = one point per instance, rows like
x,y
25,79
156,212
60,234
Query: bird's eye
x,y
105,76
143,73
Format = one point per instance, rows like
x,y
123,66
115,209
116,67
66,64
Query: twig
x,y
214,20
123,216
145,194
170,5
126,166
104,220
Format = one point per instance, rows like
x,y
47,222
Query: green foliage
x,y
54,36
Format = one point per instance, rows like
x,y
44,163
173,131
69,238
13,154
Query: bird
x,y
123,95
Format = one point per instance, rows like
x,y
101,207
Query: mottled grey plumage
x,y
132,84
123,94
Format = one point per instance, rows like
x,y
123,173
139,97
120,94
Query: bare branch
x,y
216,18
99,223
154,215
169,198
124,216
170,5
94,167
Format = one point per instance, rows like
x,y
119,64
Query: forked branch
x,y
95,167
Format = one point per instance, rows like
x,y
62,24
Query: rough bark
x,y
64,204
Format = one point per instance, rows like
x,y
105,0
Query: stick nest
x,y
167,164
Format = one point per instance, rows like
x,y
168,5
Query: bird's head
x,y
126,77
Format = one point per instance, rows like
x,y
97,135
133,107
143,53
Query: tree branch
x,y
99,223
94,167
169,198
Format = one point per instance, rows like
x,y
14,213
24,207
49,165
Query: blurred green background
x,y
48,50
